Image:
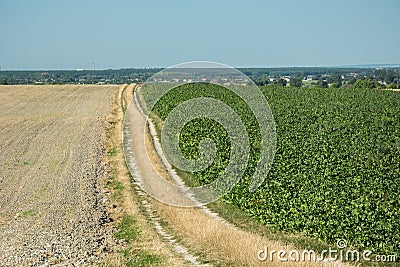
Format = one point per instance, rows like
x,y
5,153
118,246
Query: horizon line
x,y
368,65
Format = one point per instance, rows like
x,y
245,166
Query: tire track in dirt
x,y
134,158
127,201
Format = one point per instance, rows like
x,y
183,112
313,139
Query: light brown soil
x,y
52,145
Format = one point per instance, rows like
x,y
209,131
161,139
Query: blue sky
x,y
71,34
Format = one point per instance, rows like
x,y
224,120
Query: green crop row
x,y
336,172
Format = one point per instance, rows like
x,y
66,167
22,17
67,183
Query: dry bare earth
x,y
51,148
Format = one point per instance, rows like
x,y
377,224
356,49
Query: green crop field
x,y
336,172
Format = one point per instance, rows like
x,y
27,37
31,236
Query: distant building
x,y
382,82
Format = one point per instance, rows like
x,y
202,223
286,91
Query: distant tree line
x,y
294,76
76,76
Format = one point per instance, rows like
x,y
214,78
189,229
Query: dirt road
x,y
51,150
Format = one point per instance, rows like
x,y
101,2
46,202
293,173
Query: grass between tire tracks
x,y
139,244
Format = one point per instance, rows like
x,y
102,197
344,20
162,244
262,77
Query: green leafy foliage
x,y
365,83
336,172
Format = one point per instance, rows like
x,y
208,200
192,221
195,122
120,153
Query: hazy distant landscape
x,y
382,76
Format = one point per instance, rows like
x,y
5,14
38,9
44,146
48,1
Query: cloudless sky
x,y
71,34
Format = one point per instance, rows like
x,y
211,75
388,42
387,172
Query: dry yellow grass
x,y
127,203
217,240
